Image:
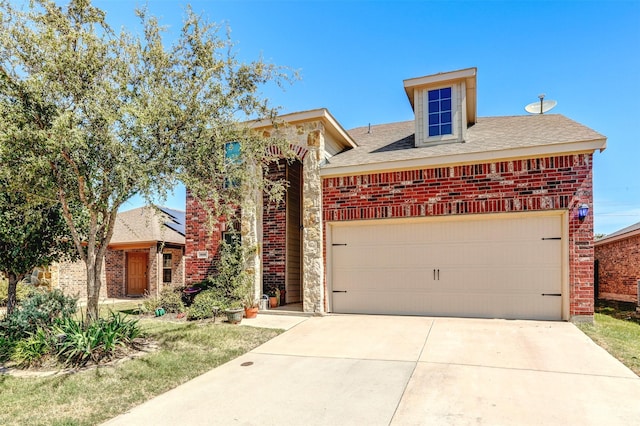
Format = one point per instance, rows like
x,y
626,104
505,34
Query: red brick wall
x,y
561,182
199,237
619,269
274,234
115,270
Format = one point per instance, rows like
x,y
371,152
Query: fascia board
x,y
624,236
467,158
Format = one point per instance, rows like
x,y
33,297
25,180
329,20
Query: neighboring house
x,y
145,253
618,265
448,214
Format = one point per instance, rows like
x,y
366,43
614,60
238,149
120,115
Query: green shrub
x,y
22,291
204,303
81,342
232,283
150,303
40,310
171,300
32,350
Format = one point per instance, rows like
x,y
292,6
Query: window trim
x,y
455,114
167,268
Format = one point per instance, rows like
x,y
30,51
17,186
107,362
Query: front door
x,y
136,274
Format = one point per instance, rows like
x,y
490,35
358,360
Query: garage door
x,y
506,267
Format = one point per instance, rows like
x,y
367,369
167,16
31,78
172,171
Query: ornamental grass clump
x,y
80,342
45,331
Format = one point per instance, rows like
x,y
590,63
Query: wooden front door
x,y
136,274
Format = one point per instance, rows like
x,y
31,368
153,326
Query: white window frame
x,y
170,267
455,114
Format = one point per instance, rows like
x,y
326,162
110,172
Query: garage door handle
x,y
339,291
436,274
552,294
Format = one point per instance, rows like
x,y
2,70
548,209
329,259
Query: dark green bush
x,y
231,282
40,310
171,300
204,303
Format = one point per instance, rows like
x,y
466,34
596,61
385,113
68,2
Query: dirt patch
x,y
620,310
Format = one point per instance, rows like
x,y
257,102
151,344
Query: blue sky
x,y
354,55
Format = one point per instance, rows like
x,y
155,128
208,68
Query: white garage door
x,y
506,267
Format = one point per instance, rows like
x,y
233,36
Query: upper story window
x,y
439,112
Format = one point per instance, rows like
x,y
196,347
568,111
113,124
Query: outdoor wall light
x,y
583,210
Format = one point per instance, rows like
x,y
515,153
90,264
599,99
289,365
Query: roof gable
x,y
468,75
149,225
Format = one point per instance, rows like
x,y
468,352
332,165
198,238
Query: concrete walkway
x,y
382,370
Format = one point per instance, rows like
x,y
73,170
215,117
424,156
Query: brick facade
x,y
71,277
200,238
274,231
550,183
116,261
619,269
177,267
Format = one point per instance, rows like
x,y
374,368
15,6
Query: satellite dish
x,y
540,107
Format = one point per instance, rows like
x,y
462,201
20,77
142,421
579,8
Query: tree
x,y
92,117
31,235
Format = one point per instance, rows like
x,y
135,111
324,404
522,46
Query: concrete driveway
x,y
382,370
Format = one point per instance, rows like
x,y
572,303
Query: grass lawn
x,y
93,396
620,337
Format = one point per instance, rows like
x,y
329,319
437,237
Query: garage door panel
x,y
478,268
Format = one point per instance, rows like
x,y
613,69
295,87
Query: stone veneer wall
x,y
551,183
619,269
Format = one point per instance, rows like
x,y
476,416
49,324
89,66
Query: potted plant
x,y
234,313
248,296
274,296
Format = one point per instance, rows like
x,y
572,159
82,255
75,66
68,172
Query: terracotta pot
x,y
250,312
273,302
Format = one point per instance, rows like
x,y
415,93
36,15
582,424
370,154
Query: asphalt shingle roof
x,y
146,224
395,141
621,232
